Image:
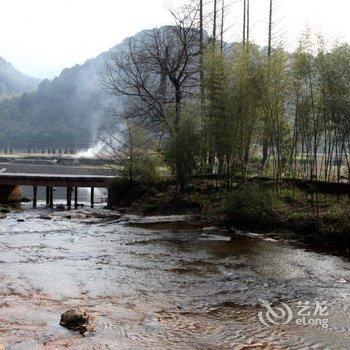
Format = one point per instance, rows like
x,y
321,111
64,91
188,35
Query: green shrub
x,y
149,208
251,205
336,220
4,210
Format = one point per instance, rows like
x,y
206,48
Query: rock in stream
x,y
76,320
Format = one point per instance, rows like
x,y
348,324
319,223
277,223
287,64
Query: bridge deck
x,y
55,180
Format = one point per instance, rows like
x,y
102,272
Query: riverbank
x,y
313,217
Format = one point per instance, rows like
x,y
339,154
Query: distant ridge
x,y
65,111
13,82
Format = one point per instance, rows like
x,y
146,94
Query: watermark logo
x,y
306,314
277,315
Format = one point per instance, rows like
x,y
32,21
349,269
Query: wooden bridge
x,y
10,186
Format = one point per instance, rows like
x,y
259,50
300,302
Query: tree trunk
x,y
269,46
244,20
222,26
266,139
214,26
248,19
180,174
201,49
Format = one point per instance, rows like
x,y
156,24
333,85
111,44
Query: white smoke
x,y
92,152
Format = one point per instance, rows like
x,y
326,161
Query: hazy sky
x,y
41,37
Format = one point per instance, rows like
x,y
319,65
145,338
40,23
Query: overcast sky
x,y
41,37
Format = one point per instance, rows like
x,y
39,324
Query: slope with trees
x,y
13,82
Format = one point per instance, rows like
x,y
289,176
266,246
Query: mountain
x,y
65,112
61,113
13,82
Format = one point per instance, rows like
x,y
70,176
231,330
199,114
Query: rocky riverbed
x,y
158,283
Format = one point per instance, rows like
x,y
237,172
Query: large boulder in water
x,y
76,319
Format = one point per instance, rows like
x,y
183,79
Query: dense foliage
x,y
278,115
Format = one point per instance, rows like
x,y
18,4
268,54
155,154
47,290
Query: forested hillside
x,y
60,112
67,111
63,112
13,82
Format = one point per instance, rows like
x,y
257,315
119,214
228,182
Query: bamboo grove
x,y
239,110
283,115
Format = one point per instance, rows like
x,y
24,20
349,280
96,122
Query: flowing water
x,y
161,287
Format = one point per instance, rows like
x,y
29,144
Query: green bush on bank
x,y
252,205
4,210
149,208
262,207
336,220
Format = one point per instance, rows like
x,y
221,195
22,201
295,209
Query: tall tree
x,y
266,130
157,74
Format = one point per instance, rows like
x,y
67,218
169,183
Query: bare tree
x,y
126,146
157,73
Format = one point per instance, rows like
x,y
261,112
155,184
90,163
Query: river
x,y
162,286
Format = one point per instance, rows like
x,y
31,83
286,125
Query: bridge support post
x,y
69,198
47,196
51,197
76,197
35,196
92,197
